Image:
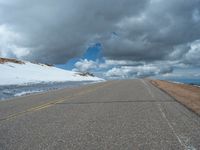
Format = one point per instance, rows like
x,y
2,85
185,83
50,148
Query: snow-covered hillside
x,y
20,72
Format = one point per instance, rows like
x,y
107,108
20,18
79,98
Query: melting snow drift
x,y
15,73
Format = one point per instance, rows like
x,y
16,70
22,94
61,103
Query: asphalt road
x,y
114,115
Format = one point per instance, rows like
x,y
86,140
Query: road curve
x,y
125,114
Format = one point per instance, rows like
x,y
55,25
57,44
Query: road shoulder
x,y
187,95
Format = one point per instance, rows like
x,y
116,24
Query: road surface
x,y
114,115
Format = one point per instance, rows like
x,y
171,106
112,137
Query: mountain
x,y
14,72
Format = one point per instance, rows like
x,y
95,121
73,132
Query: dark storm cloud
x,y
145,30
58,30
157,32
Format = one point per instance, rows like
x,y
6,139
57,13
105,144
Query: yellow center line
x,y
49,104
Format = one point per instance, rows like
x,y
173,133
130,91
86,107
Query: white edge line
x,y
164,116
147,87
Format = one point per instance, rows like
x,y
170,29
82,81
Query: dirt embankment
x,y
4,60
188,95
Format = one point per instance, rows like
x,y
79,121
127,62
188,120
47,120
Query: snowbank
x,y
14,73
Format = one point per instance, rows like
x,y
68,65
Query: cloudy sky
x,y
111,38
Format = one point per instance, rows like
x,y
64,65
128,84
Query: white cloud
x,y
137,71
118,73
197,75
9,43
196,15
122,62
110,63
182,73
193,55
85,65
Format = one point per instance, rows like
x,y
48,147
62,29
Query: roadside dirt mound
x,y
188,95
4,60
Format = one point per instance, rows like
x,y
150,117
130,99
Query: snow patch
x,y
28,92
29,73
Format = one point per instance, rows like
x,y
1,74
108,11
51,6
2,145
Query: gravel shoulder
x,y
187,95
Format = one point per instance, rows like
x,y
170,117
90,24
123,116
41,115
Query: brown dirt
x,y
188,95
4,60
